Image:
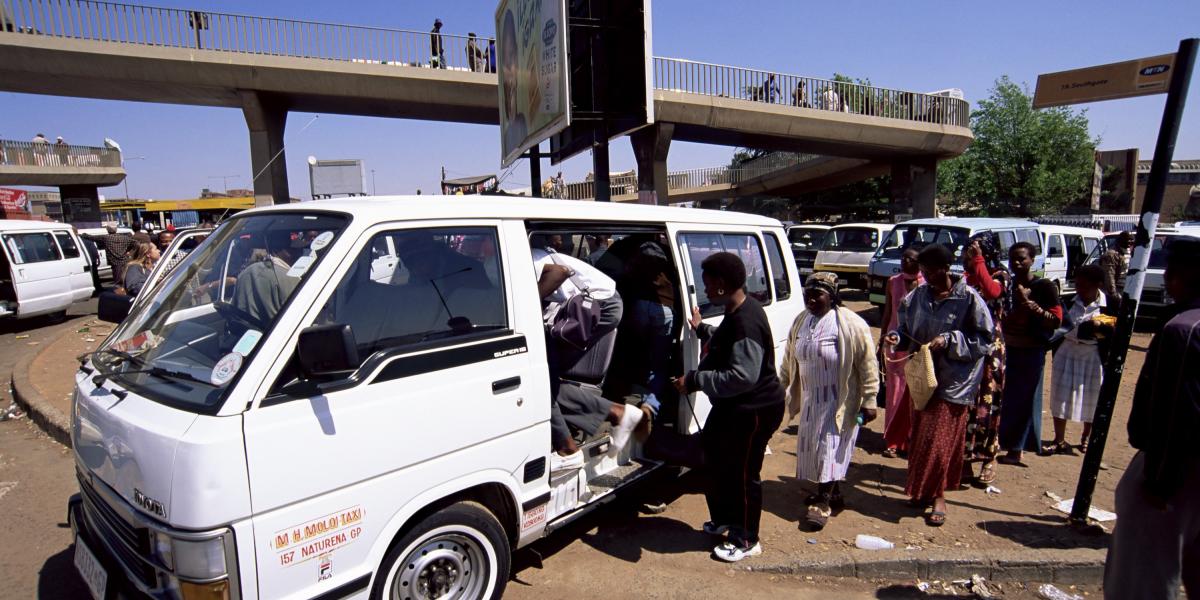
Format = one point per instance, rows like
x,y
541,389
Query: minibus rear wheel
x,y
460,551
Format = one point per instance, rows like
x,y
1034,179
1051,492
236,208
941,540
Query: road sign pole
x,y
600,168
535,171
1164,149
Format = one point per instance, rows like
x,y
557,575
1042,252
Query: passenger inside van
x,y
265,284
575,375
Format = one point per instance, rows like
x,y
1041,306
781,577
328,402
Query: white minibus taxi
x,y
951,232
847,251
1065,250
43,269
350,398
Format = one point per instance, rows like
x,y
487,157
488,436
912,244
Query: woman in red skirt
x,y
953,320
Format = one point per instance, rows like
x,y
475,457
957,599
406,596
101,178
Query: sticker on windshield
x,y
226,368
301,266
321,241
247,343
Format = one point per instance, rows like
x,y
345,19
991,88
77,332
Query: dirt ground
x,y
630,554
1019,516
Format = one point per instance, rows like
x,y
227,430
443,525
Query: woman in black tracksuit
x,y
738,375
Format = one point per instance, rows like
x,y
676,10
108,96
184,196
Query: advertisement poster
x,y
13,200
532,60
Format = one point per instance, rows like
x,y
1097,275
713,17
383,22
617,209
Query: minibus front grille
x,y
128,543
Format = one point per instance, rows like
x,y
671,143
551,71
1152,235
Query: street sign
x,y
1139,77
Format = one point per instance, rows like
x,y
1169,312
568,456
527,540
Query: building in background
x,y
1181,199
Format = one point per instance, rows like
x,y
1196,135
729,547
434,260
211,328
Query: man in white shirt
x,y
578,404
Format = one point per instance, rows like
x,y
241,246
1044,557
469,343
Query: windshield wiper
x,y
121,354
168,374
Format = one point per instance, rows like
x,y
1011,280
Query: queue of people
x,y
983,333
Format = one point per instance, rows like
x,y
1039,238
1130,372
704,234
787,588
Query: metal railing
x,y
45,154
226,32
679,75
689,179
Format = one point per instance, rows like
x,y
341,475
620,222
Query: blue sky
x,y
916,45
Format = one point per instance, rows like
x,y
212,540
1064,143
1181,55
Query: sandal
x,y
890,453
987,473
1064,448
818,516
936,518
1011,459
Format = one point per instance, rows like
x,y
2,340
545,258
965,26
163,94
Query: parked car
x,y
806,240
847,251
950,232
1066,249
1154,292
43,269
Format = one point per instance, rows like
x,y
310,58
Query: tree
x,y
1023,162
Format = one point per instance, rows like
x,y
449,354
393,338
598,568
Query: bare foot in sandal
x,y
937,517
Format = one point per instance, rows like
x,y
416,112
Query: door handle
x,y
504,385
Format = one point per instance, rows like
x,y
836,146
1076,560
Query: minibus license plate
x,y
90,569
805,271
843,281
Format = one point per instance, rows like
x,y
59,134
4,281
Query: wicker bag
x,y
918,373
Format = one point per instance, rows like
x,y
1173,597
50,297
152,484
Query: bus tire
x,y
460,551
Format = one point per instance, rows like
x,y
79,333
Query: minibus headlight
x,y
200,559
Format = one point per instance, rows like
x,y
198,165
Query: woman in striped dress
x,y
1078,370
831,379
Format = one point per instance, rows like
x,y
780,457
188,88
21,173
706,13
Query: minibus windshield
x,y
903,235
186,346
851,239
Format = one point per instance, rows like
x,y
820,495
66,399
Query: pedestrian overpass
x,y
268,67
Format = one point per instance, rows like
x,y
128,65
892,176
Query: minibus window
x,y
779,274
185,346
1054,248
69,249
31,247
447,280
745,246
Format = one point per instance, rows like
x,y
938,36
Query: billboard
x,y
532,64
329,178
609,71
13,200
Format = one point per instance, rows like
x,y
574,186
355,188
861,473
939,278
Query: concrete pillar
x,y
650,147
80,205
914,187
266,120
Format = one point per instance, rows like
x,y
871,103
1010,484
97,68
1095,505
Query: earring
x,y
721,292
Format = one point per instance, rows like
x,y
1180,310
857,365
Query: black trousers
x,y
734,442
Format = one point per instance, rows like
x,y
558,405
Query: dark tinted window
x,y
806,238
418,285
779,274
699,246
31,247
67,243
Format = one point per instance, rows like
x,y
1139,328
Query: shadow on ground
x,y
58,578
1044,533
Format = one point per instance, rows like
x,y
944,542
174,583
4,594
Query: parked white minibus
x,y
43,269
351,398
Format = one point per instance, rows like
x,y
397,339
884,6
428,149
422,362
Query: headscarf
x,y
989,246
826,282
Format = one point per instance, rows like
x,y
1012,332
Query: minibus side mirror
x,y
327,350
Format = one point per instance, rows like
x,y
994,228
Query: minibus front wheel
x,y
461,552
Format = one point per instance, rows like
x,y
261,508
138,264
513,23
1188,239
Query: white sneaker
x,y
731,553
562,464
621,433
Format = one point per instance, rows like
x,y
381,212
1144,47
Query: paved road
x,y
36,478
